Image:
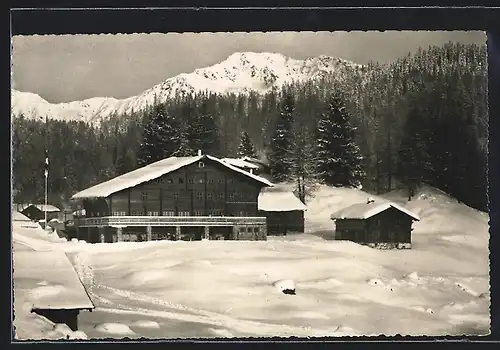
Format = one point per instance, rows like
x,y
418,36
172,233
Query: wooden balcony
x,y
124,221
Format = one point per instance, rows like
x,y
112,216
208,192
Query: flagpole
x,y
46,195
46,173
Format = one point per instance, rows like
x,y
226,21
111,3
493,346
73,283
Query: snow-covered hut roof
x,y
154,171
279,200
59,286
240,163
42,207
367,210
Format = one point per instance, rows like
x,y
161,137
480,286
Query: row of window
x,y
191,181
210,196
212,212
249,229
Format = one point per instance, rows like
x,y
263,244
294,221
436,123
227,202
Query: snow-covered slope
x,y
239,73
228,288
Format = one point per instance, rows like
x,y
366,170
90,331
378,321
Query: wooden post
x,y
149,231
119,234
236,232
206,233
177,233
263,232
102,234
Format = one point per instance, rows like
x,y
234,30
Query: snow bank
x,y
146,324
115,329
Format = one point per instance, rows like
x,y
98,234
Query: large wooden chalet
x,y
186,198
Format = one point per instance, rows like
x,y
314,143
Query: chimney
x,y
370,200
199,153
251,171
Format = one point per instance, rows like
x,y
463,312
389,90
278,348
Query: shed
x,y
37,211
47,282
283,210
377,224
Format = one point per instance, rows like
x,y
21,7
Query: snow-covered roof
x,y
240,163
42,207
154,171
59,286
255,161
279,200
367,210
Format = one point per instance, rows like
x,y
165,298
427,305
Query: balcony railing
x,y
169,221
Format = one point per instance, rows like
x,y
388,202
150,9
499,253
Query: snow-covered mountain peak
x,y
241,72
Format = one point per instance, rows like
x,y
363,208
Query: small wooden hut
x,y
376,224
283,210
37,212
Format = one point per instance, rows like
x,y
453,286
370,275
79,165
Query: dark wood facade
x,y
388,227
283,222
203,189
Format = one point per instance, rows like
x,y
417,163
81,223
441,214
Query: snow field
x,y
225,288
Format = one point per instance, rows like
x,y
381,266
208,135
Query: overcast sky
x,y
67,68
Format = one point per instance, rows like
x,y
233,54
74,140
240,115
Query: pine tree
x,y
282,142
161,137
339,157
246,147
202,131
305,163
413,158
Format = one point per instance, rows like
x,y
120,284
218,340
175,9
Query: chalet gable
x,y
363,211
154,171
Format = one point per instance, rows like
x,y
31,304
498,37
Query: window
x,y
242,213
184,213
221,195
201,181
190,181
170,181
199,195
210,195
136,213
242,229
201,165
216,212
169,213
210,181
152,213
231,196
144,196
221,181
229,181
119,213
181,180
236,196
198,212
96,213
256,229
176,195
